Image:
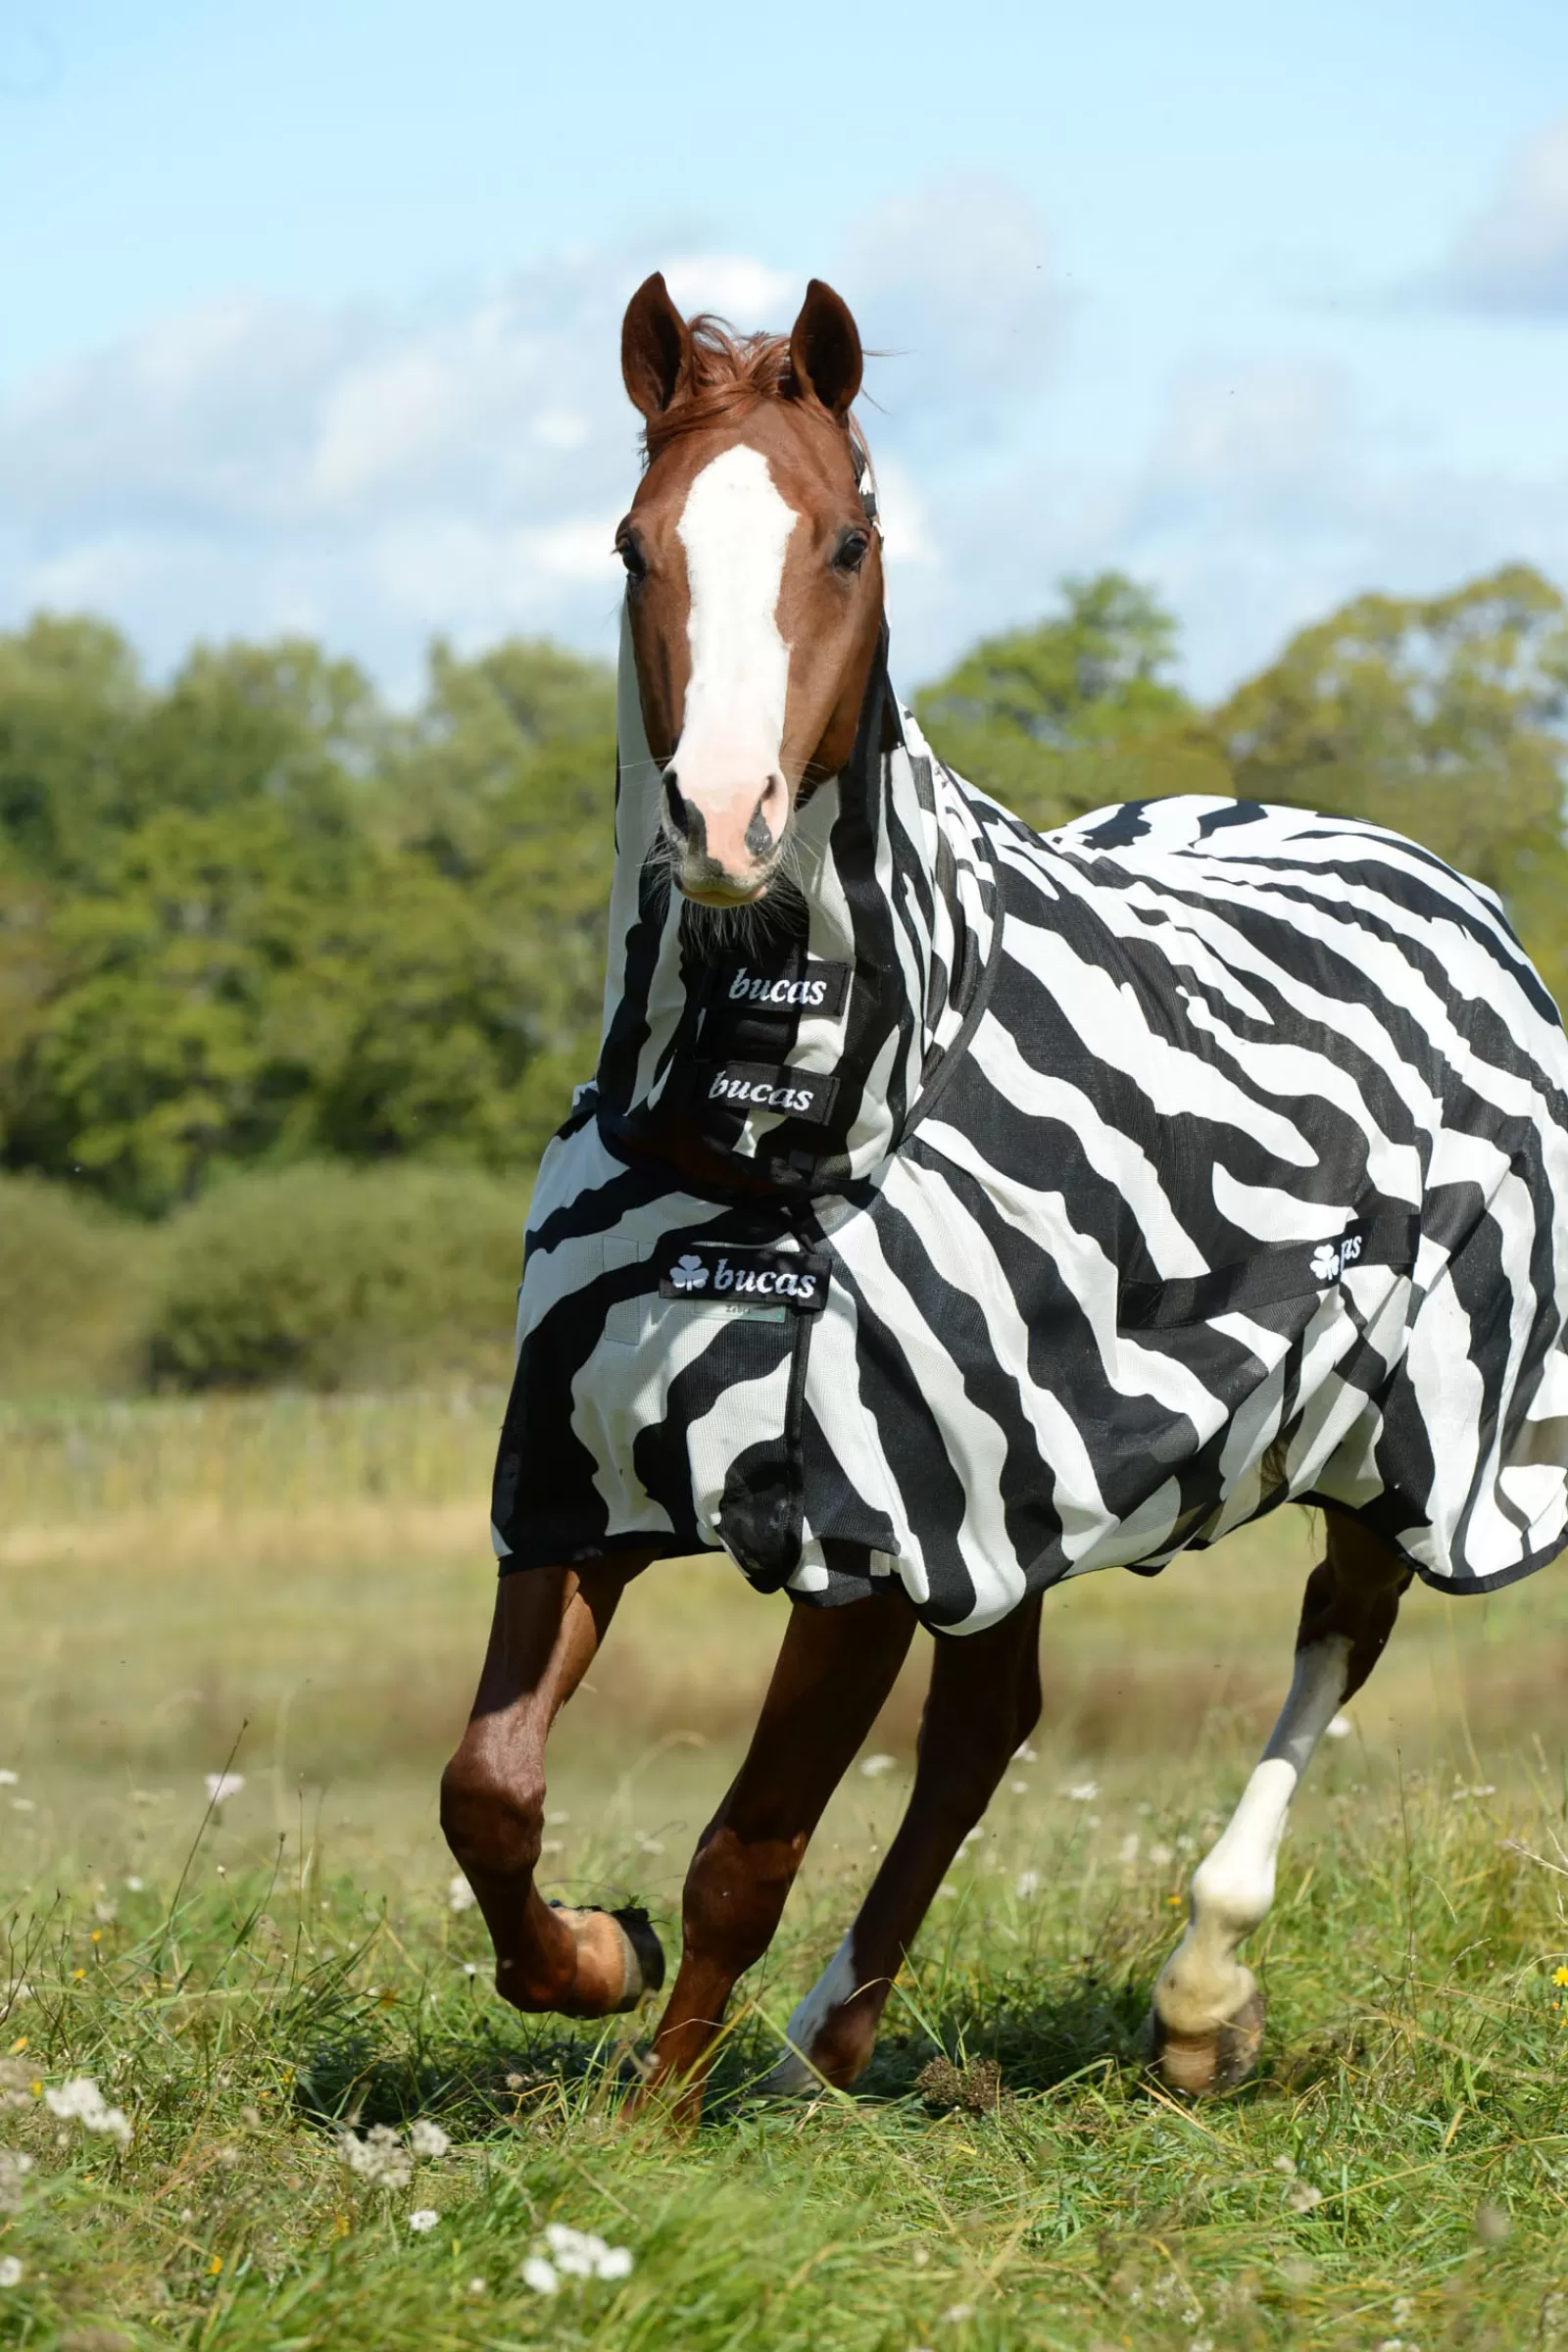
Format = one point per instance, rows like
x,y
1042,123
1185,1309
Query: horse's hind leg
x,y
983,1704
1207,2011
549,1622
834,1671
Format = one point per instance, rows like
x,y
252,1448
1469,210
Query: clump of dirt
x,y
977,2087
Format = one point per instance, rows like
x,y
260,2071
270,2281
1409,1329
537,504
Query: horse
x,y
955,1209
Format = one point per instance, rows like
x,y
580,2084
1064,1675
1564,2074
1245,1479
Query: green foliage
x,y
76,1284
1445,717
255,919
327,1277
1075,712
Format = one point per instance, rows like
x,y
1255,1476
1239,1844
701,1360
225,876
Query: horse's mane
x,y
733,374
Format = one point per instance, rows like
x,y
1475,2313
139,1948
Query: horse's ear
x,y
655,348
825,349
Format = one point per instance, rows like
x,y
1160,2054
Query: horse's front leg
x,y
834,1671
983,1704
1207,2010
548,1624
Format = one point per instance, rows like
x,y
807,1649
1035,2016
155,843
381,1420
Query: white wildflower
x,y
1286,2164
22,1804
945,1888
556,1820
1082,1792
956,2313
470,1967
15,2166
1025,1755
425,2219
1403,2309
134,1885
106,1913
9,1779
10,2271
1127,1851
1159,1855
580,2254
477,2287
380,2157
1027,1884
540,2275
221,1786
649,1846
873,1767
1339,1727
459,1895
428,2140
1302,2196
82,2099
1017,1787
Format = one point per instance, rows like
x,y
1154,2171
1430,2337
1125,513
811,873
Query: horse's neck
x,y
873,910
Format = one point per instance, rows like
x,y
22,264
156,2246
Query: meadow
x,y
294,1589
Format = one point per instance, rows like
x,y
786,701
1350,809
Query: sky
x,y
311,311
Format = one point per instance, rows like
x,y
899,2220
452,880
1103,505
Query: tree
x,y
1445,717
256,918
1076,711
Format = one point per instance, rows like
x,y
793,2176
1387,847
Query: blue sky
x,y
311,311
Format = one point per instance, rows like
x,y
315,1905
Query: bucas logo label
x,y
1330,1258
759,1086
713,1274
820,988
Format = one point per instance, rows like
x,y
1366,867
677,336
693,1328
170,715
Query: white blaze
x,y
735,528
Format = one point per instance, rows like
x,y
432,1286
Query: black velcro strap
x,y
1279,1272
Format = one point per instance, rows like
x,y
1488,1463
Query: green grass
x,y
294,1966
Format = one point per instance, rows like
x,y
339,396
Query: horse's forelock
x,y
730,375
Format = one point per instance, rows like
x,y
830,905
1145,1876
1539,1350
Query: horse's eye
x,y
849,552
631,555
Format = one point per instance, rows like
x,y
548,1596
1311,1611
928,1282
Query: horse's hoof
x,y
619,1959
646,1962
1200,2064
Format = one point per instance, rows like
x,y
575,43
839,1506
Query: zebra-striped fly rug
x,y
997,1206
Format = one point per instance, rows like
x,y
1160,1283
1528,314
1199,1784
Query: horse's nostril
x,y
678,814
758,832
769,818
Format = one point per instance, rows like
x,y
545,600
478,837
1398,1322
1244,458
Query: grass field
x,y
310,1580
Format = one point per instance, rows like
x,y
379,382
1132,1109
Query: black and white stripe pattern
x,y
1190,1160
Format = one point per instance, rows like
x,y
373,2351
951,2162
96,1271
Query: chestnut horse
x,y
755,609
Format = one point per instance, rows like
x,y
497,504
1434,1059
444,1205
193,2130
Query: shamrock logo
x,y
689,1273
1325,1263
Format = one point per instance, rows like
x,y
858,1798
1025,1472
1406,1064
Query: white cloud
x,y
955,283
376,473
1513,257
743,291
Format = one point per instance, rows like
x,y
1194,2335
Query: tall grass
x,y
317,1571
